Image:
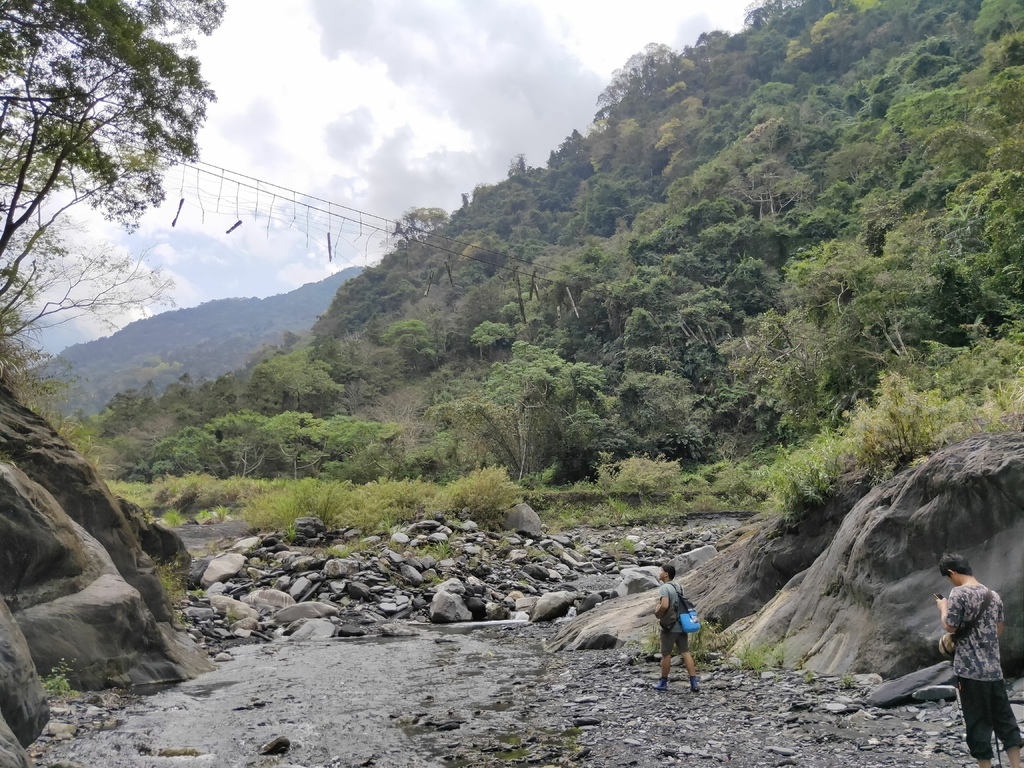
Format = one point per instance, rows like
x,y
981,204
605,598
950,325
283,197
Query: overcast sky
x,y
381,106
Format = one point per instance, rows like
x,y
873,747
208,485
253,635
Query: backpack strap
x,y
681,600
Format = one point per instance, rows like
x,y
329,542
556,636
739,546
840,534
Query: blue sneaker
x,y
694,685
662,685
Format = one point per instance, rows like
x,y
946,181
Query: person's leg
x,y
691,669
1004,723
975,705
668,640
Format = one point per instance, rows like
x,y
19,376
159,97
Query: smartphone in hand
x,y
937,596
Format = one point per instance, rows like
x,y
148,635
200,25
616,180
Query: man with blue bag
x,y
671,606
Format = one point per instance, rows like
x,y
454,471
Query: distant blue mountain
x,y
204,342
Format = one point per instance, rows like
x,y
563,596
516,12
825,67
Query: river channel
x,y
433,697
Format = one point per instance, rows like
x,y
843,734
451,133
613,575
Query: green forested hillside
x,y
808,232
200,342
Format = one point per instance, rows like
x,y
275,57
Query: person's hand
x,y
941,603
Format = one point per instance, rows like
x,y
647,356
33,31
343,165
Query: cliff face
x,y
79,584
866,606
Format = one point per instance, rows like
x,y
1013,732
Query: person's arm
x,y
662,606
999,629
950,624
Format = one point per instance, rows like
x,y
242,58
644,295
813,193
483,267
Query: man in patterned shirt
x,y
976,664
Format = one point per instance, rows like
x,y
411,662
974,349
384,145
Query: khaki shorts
x,y
680,640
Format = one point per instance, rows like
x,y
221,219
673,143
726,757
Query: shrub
x,y
758,658
57,683
172,519
397,501
711,639
204,491
807,476
641,475
902,425
337,504
487,494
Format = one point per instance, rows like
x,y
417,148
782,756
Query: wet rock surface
x,y
491,696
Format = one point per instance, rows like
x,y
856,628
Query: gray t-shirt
x,y
977,653
673,592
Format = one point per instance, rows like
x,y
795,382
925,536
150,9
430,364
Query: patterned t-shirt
x,y
977,653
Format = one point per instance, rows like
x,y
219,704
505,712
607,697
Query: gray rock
x,y
901,690
222,568
111,636
526,603
11,753
552,606
523,519
535,571
690,560
935,693
635,580
247,544
341,569
22,697
455,586
590,602
599,640
359,591
447,608
269,598
970,494
399,538
410,574
314,629
309,528
299,587
305,611
233,609
496,611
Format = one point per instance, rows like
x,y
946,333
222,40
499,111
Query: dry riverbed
x,y
491,696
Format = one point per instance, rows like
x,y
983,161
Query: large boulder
x,y
448,608
553,605
757,560
22,698
11,753
107,636
634,580
690,560
893,693
73,572
609,624
523,519
41,454
865,604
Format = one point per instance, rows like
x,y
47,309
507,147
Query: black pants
x,y
986,709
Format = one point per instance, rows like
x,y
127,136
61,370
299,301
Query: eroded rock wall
x,y
865,604
80,587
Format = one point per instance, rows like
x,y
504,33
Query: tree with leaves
x,y
96,99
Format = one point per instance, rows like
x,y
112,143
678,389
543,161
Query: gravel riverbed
x,y
431,696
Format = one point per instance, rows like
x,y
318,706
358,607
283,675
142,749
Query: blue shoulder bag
x,y
687,614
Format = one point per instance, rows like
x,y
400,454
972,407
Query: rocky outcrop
x,y
23,709
866,605
756,561
79,586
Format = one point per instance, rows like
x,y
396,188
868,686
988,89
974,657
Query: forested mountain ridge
x,y
205,341
756,235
